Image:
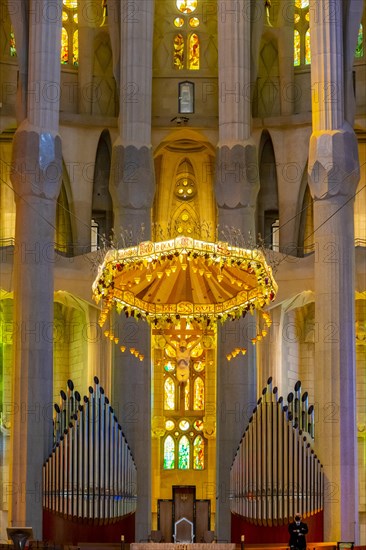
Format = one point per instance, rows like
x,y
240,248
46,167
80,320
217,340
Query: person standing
x,y
297,529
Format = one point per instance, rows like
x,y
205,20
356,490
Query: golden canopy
x,y
162,282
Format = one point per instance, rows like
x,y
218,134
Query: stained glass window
x,y
183,453
169,453
198,453
178,22
194,52
75,48
169,425
186,6
13,49
186,396
194,22
302,55
198,394
359,47
307,48
69,34
184,425
64,46
178,59
169,394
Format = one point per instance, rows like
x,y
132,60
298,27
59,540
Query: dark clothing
x,y
297,535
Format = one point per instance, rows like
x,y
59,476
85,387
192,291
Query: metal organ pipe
x,y
275,472
90,473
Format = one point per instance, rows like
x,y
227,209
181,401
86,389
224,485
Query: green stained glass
x,y
169,448
194,52
75,48
186,396
183,453
178,52
198,453
198,394
169,367
307,48
296,48
169,394
359,47
64,46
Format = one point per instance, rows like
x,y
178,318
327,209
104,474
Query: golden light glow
x,y
201,282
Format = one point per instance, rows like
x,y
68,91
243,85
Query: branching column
x,y
236,192
132,188
333,177
36,171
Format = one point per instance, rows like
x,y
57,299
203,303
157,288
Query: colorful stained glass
x,y
186,6
178,22
169,452
183,453
307,48
187,396
198,453
13,49
169,425
198,394
75,48
64,46
194,22
194,52
296,48
184,425
359,47
198,425
169,366
169,394
178,54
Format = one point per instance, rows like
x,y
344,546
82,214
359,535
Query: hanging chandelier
x,y
184,278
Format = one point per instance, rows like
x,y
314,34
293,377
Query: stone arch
x,y
267,200
102,207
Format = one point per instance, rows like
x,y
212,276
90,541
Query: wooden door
x,y
165,519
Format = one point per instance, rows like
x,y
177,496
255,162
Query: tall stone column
x,y
132,189
333,177
237,187
36,171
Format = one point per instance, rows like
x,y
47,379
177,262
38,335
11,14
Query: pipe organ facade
x,y
276,473
90,473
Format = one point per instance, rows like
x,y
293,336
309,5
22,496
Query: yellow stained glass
x,y
184,425
296,48
186,6
198,394
178,22
169,425
73,4
194,52
75,18
75,48
307,48
178,53
186,396
301,4
65,16
194,22
198,453
169,394
64,46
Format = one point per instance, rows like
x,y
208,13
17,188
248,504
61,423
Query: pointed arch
x,y
267,201
198,453
102,207
184,452
169,453
198,394
169,394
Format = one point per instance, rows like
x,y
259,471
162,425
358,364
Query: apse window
x,y
302,54
69,34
